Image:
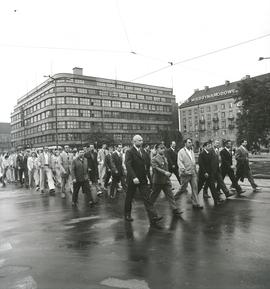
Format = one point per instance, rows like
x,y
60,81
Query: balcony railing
x,y
202,120
215,119
231,126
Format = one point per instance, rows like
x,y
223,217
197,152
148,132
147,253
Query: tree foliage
x,y
253,120
172,135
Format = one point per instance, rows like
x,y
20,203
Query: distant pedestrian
x,y
242,167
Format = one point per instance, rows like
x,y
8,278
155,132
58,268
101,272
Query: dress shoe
x,y
128,218
155,225
241,192
229,194
42,192
218,202
206,196
156,219
52,192
177,213
200,207
257,189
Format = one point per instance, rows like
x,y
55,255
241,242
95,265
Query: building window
x,y
120,86
72,124
71,100
215,107
148,97
103,93
60,100
82,90
125,104
140,96
208,116
85,124
124,95
95,102
60,89
108,126
202,110
116,104
60,112
132,96
156,98
96,113
223,106
135,105
107,114
113,94
128,87
84,101
137,88
61,136
116,114
208,108
85,113
106,103
92,91
230,105
61,124
72,112
144,106
70,89
223,114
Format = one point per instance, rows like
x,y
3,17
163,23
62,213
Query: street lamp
x,y
55,103
262,58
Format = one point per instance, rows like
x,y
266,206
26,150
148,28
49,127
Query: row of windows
x,y
209,108
90,125
208,126
88,114
102,92
92,102
214,116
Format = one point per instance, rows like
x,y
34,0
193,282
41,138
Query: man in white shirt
x,y
188,173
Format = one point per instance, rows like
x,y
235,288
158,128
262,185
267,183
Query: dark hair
x,y
227,141
205,144
242,140
160,145
185,141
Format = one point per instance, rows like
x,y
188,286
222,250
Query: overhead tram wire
x,y
201,56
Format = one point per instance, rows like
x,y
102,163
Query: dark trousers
x,y
210,183
250,179
85,189
176,173
167,189
107,177
115,181
145,194
20,171
232,177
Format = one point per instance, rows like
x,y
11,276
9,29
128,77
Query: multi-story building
x,y
211,113
70,108
5,139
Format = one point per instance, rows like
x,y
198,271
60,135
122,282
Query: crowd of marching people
x,y
139,167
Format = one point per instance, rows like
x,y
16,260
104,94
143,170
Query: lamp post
x,y
55,103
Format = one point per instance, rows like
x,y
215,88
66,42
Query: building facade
x,y
83,106
211,113
5,137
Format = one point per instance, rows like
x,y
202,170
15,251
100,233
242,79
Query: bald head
x,y
137,140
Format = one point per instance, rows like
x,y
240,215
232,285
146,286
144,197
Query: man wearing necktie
x,y
226,166
136,163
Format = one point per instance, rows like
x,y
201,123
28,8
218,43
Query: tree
x,y
98,138
253,120
172,135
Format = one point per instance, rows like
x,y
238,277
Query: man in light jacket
x,y
188,173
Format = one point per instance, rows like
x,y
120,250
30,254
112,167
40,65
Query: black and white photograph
x,y
135,144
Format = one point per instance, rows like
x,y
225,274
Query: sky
x,y
129,39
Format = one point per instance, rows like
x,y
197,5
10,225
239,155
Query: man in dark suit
x,y
242,167
117,171
108,166
217,177
79,173
92,162
171,155
205,172
136,165
161,179
226,166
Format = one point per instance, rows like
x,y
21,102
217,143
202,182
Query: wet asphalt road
x,y
47,244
